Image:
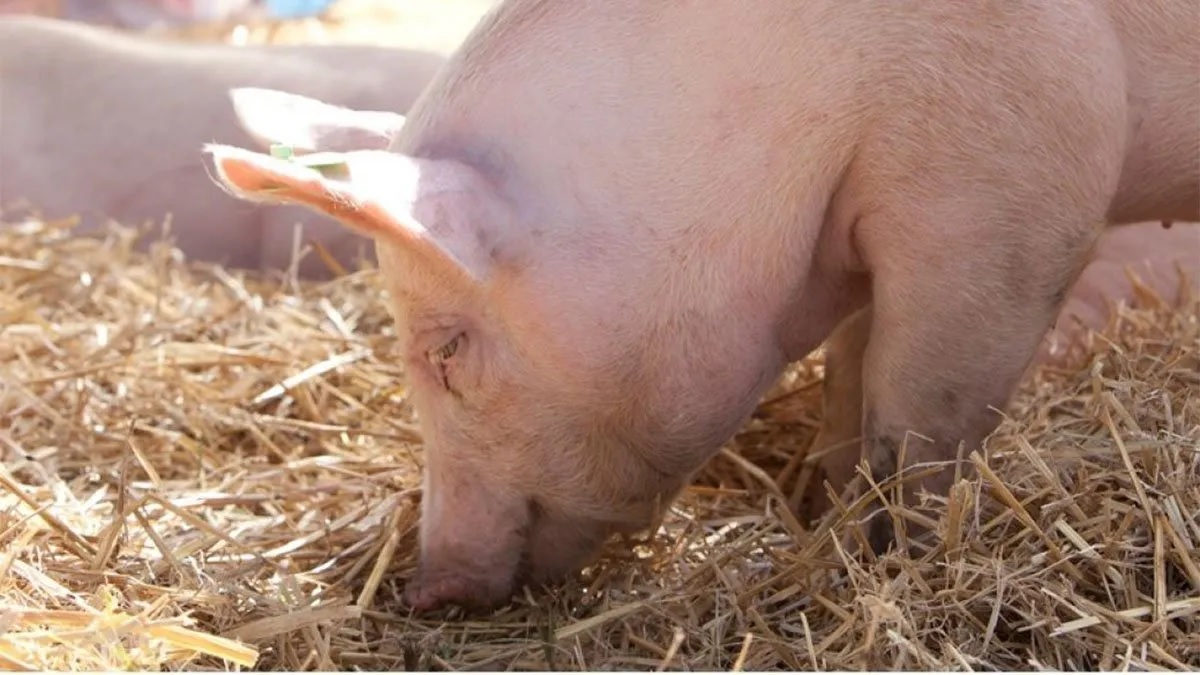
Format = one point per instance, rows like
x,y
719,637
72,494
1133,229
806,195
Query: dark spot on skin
x,y
1167,224
536,510
950,400
1016,274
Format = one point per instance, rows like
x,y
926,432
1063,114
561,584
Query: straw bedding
x,y
205,470
202,466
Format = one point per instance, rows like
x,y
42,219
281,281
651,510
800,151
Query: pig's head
x,y
551,419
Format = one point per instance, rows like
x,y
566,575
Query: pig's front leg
x,y
837,449
958,312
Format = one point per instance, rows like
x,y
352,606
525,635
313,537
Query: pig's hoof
x,y
428,595
880,534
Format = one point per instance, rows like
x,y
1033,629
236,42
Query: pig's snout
x,y
472,589
473,538
484,569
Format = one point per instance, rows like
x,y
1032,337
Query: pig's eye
x,y
439,356
444,352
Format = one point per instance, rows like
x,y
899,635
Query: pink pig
x,y
106,124
607,227
1155,255
132,13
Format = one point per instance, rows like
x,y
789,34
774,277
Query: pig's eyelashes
x,y
447,350
439,356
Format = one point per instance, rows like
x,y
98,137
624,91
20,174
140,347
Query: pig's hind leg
x,y
837,449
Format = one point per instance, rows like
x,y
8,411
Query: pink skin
x,y
35,7
77,101
135,14
1156,255
607,227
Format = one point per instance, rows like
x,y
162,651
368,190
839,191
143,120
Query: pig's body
x,y
1156,256
138,14
107,125
142,14
608,226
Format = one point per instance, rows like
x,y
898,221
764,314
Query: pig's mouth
x,y
553,549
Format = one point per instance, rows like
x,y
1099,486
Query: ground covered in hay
x,y
201,470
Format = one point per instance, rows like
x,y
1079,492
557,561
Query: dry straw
x,y
205,471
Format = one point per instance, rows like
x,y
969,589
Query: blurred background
x,y
421,24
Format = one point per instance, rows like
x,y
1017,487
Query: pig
x,y
605,229
1164,261
144,14
138,14
105,125
37,7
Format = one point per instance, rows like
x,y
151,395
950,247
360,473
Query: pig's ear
x,y
308,125
377,194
